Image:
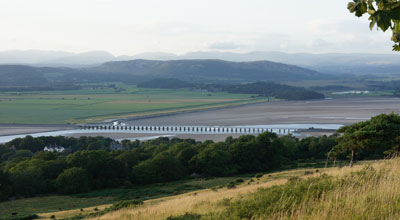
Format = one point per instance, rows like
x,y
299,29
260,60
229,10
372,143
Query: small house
x,y
54,148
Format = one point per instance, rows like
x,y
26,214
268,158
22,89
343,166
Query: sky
x,y
128,27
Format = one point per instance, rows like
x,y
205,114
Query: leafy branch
x,y
384,14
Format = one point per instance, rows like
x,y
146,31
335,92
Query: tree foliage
x,y
379,134
385,14
73,180
25,172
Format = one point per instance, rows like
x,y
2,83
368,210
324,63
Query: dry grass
x,y
371,198
375,195
206,201
71,213
200,202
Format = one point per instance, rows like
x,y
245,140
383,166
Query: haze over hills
x,y
211,70
332,63
135,71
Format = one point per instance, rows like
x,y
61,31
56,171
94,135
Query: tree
x,y
28,177
101,167
383,13
269,150
73,180
161,168
245,154
21,154
5,186
337,152
379,133
45,155
214,160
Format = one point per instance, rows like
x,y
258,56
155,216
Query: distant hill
x,y
266,89
331,63
18,77
211,70
166,83
135,71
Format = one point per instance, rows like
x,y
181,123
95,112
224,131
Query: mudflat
x,y
328,111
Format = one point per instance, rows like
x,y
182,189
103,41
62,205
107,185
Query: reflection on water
x,y
275,128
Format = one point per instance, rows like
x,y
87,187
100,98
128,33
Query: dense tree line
x,y
278,91
26,170
37,144
29,171
267,89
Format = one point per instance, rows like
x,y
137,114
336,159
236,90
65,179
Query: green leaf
x,y
359,7
383,20
395,13
396,47
372,24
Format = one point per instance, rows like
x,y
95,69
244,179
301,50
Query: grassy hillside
x,y
368,191
217,195
70,205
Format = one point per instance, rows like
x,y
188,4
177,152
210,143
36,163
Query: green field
x,y
95,104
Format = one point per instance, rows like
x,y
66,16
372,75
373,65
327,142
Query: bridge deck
x,y
189,129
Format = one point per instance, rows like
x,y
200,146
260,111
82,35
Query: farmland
x,y
96,103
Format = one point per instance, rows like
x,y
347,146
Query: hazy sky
x,y
179,26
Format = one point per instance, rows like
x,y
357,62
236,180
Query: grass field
x,y
94,104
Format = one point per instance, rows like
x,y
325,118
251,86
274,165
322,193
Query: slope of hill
x,y
266,89
332,63
139,70
368,191
194,70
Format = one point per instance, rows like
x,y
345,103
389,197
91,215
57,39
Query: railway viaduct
x,y
181,129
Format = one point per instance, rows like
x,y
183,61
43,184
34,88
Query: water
x,y
210,130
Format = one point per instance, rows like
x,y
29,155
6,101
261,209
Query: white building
x,y
54,148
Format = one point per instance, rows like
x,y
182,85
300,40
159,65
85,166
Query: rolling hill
x,y
135,71
210,70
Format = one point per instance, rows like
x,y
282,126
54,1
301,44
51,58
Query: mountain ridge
x,y
135,71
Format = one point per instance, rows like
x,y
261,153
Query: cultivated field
x,y
101,103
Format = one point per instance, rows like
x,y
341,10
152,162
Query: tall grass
x,y
363,192
371,193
